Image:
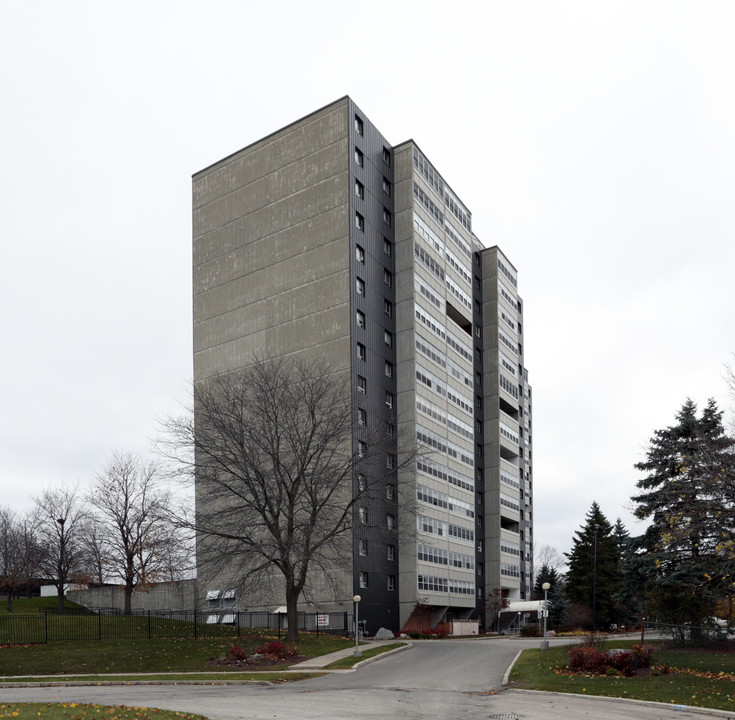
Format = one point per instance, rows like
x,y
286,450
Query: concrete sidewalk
x,y
322,661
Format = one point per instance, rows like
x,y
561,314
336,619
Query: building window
x,y
359,158
479,546
362,547
387,217
360,286
388,278
389,399
362,514
360,254
359,221
361,384
390,492
388,308
361,416
390,521
359,190
358,125
390,461
391,552
361,449
361,351
360,319
388,338
361,482
386,186
387,247
391,582
390,429
386,156
388,369
363,580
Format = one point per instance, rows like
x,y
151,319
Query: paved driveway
x,y
432,681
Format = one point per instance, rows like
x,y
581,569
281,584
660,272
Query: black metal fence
x,y
111,624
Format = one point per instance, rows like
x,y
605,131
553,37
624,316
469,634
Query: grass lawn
x,y
348,662
535,671
134,656
76,711
207,678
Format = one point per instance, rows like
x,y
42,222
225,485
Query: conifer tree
x,y
593,575
687,493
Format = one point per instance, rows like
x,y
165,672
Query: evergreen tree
x,y
687,493
545,575
556,600
593,575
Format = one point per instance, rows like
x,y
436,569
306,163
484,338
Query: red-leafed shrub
x,y
587,659
238,653
277,649
643,655
593,661
622,661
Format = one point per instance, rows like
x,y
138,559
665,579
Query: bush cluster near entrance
x,y
702,677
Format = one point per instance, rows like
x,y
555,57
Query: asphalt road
x,y
432,681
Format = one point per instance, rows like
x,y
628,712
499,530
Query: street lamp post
x,y
356,652
545,587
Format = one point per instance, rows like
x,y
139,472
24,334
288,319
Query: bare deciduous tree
x,y
132,509
18,553
548,555
276,472
59,517
95,551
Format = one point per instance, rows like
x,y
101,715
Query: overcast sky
x,y
593,142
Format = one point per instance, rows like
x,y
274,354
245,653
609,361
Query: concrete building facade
x,y
324,239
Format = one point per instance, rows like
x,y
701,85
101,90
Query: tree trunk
x,y
9,602
60,595
128,610
292,613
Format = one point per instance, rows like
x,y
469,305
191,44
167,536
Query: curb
x,y
714,712
367,661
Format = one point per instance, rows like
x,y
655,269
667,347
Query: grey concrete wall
x,y
179,595
271,274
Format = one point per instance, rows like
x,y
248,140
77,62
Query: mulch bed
x,y
256,663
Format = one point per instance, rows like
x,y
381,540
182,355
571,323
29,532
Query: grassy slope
x,y
131,656
535,670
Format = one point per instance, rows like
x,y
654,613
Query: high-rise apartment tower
x,y
323,238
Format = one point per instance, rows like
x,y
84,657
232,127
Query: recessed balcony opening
x,y
509,409
460,319
508,524
507,453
